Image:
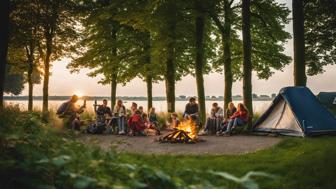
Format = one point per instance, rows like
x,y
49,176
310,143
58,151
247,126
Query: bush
x,y
37,155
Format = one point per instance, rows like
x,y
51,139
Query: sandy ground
x,y
238,144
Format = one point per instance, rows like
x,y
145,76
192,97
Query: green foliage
x,y
35,155
24,39
14,83
268,35
320,35
106,46
268,20
295,163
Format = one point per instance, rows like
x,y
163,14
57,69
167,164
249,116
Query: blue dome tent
x,y
296,112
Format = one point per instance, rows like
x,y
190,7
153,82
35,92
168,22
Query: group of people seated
x,y
139,123
223,124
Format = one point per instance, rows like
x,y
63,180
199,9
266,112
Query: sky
x,y
62,82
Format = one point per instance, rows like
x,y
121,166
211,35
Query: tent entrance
x,y
281,120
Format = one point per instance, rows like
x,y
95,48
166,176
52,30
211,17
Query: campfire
x,y
185,133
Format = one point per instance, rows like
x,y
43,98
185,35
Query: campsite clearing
x,y
215,145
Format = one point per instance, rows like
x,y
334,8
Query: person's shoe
x,y
122,133
219,133
201,133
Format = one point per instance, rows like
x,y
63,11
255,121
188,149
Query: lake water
x,y
160,106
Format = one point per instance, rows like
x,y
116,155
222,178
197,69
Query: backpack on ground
x,y
61,110
94,128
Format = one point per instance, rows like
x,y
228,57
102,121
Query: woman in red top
x,y
136,124
239,118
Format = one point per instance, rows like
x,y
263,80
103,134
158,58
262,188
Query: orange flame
x,y
189,126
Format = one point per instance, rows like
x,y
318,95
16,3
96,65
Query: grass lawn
x,y
297,163
34,156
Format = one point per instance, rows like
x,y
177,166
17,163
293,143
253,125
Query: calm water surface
x,y
161,106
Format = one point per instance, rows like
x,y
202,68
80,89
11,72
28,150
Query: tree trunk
x,y
149,76
149,81
170,62
114,71
46,74
247,64
4,35
170,79
199,61
300,78
30,91
226,37
30,54
113,90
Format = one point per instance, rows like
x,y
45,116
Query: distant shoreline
x,y
91,98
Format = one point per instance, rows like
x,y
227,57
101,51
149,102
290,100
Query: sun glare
x,y
78,93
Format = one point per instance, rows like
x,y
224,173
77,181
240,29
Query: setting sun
x,y
78,93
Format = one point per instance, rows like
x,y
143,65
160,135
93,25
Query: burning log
x,y
185,133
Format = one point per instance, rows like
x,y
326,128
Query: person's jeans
x,y
213,124
121,123
234,123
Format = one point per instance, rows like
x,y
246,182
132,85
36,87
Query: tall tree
x,y
149,72
58,25
170,9
247,64
224,15
320,35
171,27
144,67
4,34
23,53
107,47
268,36
300,78
199,60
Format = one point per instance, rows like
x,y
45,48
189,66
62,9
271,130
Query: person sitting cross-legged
x,y
239,118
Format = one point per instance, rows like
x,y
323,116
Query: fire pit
x,y
185,133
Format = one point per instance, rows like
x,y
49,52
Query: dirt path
x,y
238,144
